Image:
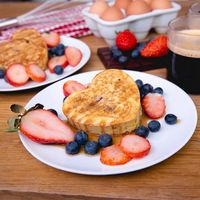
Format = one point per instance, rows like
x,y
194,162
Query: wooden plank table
x,y
24,177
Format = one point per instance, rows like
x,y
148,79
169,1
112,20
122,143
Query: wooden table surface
x,y
24,177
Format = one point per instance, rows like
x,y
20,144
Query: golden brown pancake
x,y
111,104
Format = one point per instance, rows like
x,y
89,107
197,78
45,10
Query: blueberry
x,y
2,73
146,88
158,90
72,148
58,69
135,53
116,54
81,137
113,48
139,83
105,140
53,111
50,53
123,60
142,131
60,46
53,50
141,46
91,147
64,98
171,119
60,52
154,126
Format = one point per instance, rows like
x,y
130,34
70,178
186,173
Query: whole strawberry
x,y
126,40
156,48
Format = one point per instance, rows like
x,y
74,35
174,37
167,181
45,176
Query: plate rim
x,y
42,84
147,165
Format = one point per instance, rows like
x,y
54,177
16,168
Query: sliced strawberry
x,y
43,126
156,48
135,146
73,55
113,155
153,105
71,86
36,73
16,75
57,60
52,39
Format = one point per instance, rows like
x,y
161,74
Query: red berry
x,y
156,48
153,105
135,146
126,40
36,73
16,75
73,55
57,60
52,39
71,86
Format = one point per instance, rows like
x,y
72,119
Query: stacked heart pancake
x,y
111,104
25,47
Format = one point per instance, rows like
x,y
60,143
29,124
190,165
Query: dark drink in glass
x,y
184,46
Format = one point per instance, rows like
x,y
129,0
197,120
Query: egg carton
x,y
139,24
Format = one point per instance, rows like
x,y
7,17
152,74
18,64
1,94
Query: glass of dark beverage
x,y
184,46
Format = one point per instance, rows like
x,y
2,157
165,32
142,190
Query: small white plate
x,y
52,77
165,143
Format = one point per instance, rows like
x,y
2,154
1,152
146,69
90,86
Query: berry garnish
x,y
142,131
57,60
36,73
146,88
135,53
72,148
135,146
52,39
154,126
153,105
58,69
113,155
126,40
158,90
53,111
171,119
139,83
2,73
105,140
91,147
81,137
71,86
156,47
73,55
123,60
116,53
16,75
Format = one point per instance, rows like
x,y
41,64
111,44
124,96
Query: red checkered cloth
x,y
70,22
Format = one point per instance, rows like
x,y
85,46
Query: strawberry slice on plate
x,y
57,60
73,55
135,146
71,86
113,155
156,48
52,39
44,127
36,73
16,75
153,105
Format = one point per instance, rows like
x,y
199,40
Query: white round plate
x,y
52,77
165,143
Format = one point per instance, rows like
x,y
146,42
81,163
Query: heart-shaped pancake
x,y
111,104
